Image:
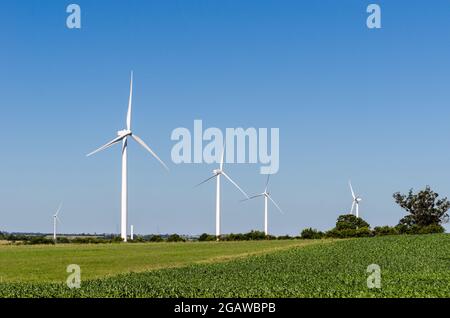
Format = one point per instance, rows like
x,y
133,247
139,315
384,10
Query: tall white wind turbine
x,y
218,173
56,220
123,136
267,197
356,200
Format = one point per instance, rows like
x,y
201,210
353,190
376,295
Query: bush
x,y
363,232
311,234
349,221
62,240
349,233
156,238
207,238
385,230
255,236
284,237
431,229
175,238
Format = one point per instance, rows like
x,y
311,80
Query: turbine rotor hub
x,y
124,133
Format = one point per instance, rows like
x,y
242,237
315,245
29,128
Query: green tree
x,y
350,222
424,208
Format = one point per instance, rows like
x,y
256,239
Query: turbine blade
x,y
351,189
267,182
353,207
205,181
222,157
143,144
109,144
277,206
130,101
59,209
253,197
235,184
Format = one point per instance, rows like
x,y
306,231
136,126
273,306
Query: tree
x,y
350,222
424,208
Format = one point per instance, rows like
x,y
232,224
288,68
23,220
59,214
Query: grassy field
x,y
48,263
412,266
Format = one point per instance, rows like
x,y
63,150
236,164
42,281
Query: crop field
x,y
48,263
411,266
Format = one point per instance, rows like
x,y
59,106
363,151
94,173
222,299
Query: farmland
x,y
47,263
411,266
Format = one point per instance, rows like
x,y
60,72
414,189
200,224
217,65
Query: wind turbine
x,y
218,173
267,197
123,136
356,200
55,220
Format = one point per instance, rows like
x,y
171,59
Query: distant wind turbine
x,y
56,220
217,174
356,200
267,197
122,136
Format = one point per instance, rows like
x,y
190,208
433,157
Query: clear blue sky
x,y
370,105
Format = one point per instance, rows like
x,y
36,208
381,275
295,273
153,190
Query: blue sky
x,y
370,105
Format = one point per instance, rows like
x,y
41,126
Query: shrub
x,y
363,232
285,237
311,234
156,238
349,221
431,229
385,230
175,238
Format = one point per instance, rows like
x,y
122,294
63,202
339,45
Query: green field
x,y
412,266
48,263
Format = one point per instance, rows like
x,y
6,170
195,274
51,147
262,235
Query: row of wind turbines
x,y
126,134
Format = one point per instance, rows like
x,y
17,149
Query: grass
x,y
48,263
412,266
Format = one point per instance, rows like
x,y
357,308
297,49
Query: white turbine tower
x,y
123,136
267,197
56,220
217,174
356,200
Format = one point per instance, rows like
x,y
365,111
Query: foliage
x,y
415,229
251,236
424,208
311,234
175,238
156,238
206,238
349,233
347,226
385,230
350,222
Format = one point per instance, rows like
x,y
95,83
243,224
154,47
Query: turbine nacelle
x,y
124,133
217,172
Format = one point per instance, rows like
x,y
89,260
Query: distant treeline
x,y
110,239
348,226
426,213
